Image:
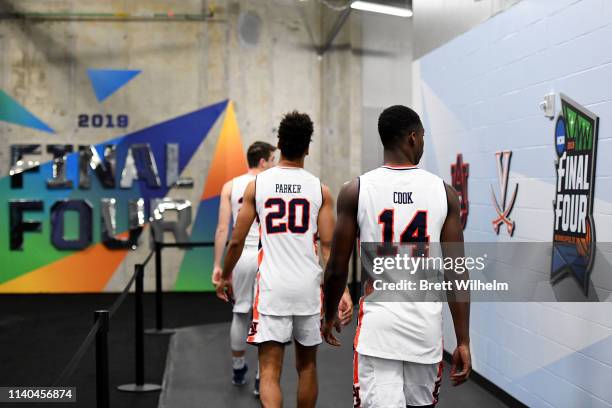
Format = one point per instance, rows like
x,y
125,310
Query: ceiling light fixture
x,y
381,8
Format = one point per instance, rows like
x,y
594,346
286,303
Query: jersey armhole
x,y
358,200
322,197
255,199
445,202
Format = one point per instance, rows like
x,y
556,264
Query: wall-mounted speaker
x,y
249,29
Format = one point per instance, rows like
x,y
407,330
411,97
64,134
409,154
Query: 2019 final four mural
x,y
90,204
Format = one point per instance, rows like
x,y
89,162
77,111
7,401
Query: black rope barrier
x,y
159,303
117,303
185,244
148,258
76,358
99,334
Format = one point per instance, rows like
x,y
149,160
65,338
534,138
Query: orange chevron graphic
x,y
229,160
75,273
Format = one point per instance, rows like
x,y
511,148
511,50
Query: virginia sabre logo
x,y
576,133
503,210
459,179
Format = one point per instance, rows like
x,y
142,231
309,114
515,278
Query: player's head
x,y
400,128
294,135
260,155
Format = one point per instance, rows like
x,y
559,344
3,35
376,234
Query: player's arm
x,y
325,226
326,223
245,219
225,215
458,301
337,269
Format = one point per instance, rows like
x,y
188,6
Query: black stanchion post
x,y
102,381
139,385
139,334
159,311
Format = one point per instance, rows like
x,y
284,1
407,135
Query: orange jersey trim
x,y
359,320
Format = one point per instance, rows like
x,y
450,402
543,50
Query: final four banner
x,y
67,225
576,134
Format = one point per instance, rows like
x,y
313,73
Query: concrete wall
x,y
185,66
188,65
479,93
439,21
341,102
386,59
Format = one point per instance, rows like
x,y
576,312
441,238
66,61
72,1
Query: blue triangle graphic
x,y
11,111
106,82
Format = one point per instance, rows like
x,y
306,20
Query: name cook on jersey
x,y
402,197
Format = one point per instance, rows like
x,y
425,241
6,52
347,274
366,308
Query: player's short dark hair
x,y
258,151
396,122
294,135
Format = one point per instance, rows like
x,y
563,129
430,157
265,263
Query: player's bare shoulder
x,y
226,190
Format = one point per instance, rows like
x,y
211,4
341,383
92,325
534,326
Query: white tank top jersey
x,y
239,184
390,200
288,200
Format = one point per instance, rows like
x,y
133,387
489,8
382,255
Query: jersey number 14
x,y
415,231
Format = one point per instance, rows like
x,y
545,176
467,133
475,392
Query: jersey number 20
x,y
275,220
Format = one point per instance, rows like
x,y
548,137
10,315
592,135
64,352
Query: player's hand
x,y
461,366
328,332
224,290
216,275
345,309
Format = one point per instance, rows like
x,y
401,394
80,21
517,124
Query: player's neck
x,y
284,162
398,159
254,171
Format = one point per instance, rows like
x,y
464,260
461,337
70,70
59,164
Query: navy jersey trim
x,y
402,168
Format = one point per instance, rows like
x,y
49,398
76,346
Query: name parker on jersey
x,y
571,204
289,188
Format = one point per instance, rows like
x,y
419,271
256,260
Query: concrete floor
x,y
39,334
198,373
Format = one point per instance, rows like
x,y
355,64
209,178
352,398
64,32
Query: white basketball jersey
x,y
394,201
288,200
239,184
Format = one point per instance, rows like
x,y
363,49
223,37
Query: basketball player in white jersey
x,y
398,345
292,207
260,157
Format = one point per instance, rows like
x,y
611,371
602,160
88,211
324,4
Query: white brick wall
x,y
479,94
